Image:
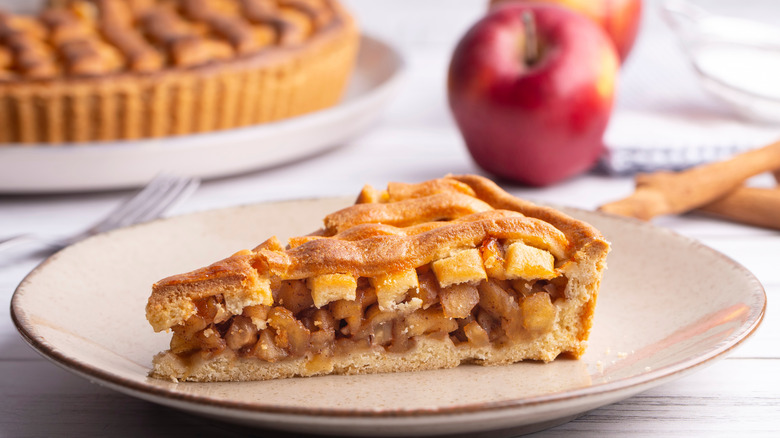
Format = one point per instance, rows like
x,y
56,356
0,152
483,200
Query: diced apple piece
x,y
523,287
529,263
377,324
489,323
323,320
462,267
180,343
382,334
538,312
291,334
209,339
495,298
258,314
400,342
212,310
375,315
294,295
429,321
493,258
331,287
352,311
242,332
458,300
266,349
391,288
428,289
324,330
476,335
344,346
349,311
185,336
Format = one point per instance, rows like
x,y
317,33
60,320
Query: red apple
x,y
619,18
531,88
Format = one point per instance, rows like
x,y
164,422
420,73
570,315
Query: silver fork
x,y
160,194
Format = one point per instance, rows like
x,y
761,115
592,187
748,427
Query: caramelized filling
x,y
492,311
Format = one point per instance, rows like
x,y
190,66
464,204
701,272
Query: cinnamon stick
x,y
664,193
748,205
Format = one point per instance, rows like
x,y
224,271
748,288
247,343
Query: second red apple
x,y
619,18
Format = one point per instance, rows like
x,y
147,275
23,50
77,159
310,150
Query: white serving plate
x,y
668,306
41,168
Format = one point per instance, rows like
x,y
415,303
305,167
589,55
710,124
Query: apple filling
x,y
498,294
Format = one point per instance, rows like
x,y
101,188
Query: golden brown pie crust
x,y
84,71
407,227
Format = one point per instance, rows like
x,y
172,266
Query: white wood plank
x,y
41,400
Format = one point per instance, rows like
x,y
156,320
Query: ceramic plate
x,y
668,305
123,164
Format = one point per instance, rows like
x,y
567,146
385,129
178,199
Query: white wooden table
x,y
414,141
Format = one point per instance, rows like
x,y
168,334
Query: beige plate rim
x,y
606,392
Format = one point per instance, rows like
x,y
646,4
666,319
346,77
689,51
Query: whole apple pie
x,y
91,70
415,277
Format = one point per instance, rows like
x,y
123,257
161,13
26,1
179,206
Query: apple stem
x,y
531,41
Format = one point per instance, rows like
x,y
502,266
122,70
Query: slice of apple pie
x,y
415,277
